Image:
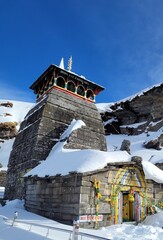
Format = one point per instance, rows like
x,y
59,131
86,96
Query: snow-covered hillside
x,y
16,113
103,107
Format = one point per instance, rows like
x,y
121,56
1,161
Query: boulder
x,y
6,104
137,159
156,144
125,146
8,130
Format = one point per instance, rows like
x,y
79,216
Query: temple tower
x,y
61,96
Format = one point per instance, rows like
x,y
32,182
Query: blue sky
x,y
115,43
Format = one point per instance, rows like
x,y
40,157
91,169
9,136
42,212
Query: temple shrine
x,y
66,81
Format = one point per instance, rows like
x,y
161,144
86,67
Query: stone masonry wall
x,y
42,128
55,198
65,198
3,178
154,192
88,199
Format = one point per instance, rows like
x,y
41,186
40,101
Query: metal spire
x,y
61,65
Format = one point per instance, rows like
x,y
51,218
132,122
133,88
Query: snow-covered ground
x,y
31,226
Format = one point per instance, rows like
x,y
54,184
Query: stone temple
x,y
116,193
61,96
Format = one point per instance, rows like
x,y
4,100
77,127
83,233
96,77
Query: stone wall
x,y
89,200
56,197
3,178
42,128
65,198
154,192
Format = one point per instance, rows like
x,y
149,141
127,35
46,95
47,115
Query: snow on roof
x,y
152,172
65,161
62,161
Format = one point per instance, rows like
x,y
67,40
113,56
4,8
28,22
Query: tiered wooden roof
x,y
57,78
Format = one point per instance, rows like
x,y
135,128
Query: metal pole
x,y
30,227
15,217
75,232
47,233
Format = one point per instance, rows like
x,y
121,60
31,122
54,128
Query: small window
x,y
90,94
80,91
71,86
61,82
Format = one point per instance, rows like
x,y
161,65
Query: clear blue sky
x,y
115,43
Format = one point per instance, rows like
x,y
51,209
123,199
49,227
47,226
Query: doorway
x,y
128,209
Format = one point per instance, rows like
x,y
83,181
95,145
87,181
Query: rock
x,y
142,109
125,146
153,144
136,159
8,130
155,126
7,104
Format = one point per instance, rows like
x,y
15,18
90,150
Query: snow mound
x,y
17,203
155,220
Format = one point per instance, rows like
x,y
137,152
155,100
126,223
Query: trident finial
x,y
69,64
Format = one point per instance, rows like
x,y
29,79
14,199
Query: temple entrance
x,y
129,210
130,201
